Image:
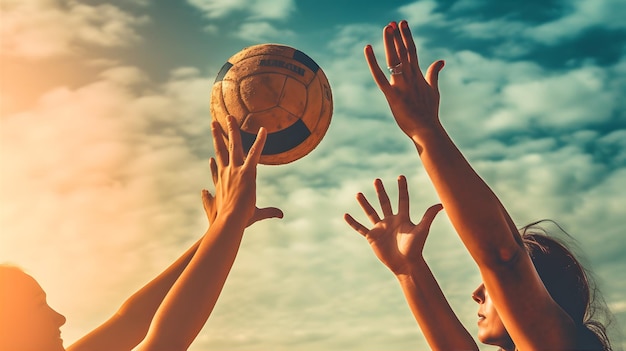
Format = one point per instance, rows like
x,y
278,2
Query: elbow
x,y
507,256
499,257
134,329
163,341
496,245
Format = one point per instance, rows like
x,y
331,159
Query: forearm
x,y
440,326
189,303
479,218
130,324
140,308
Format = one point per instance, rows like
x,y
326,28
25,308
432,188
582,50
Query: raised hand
x,y
413,98
210,206
396,241
234,176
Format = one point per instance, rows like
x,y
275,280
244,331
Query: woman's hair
x,y
569,284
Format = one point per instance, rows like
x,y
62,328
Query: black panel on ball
x,y
280,141
305,60
223,72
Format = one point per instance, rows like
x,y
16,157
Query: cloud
x,y
256,20
496,97
584,15
261,32
104,176
44,28
255,10
104,168
510,31
422,13
563,101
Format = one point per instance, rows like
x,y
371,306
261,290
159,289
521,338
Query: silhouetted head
x,y
27,323
566,281
561,273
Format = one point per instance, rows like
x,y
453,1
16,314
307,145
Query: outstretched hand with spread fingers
x,y
412,97
234,175
210,207
396,240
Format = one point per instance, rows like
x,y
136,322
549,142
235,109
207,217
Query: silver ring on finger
x,y
395,70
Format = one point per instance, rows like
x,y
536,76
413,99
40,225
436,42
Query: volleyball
x,y
279,88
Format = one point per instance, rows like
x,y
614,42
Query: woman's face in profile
x,y
491,330
27,322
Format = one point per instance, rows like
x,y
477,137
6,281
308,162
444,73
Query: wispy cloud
x,y
581,16
42,29
104,175
95,165
254,10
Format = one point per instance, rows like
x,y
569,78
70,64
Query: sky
x,y
105,141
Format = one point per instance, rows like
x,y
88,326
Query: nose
x,y
479,294
59,319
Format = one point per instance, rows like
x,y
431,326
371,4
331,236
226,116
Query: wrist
x,y
409,269
425,136
236,211
232,219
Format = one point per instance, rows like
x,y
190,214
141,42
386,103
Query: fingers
x,y
403,196
221,152
234,144
383,198
254,155
213,166
233,153
391,50
409,44
379,77
355,224
398,41
395,52
367,208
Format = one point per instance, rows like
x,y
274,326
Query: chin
x,y
502,341
56,345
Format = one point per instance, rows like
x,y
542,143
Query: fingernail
x,y
394,25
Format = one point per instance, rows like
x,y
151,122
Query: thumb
x,y
432,75
208,202
429,216
265,213
214,173
207,199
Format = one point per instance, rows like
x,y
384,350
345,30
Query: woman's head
x,y
569,285
565,280
561,274
26,321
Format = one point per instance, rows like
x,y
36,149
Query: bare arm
x,y
192,298
399,243
530,315
130,324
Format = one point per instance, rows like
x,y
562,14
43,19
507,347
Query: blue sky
x,y
105,141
